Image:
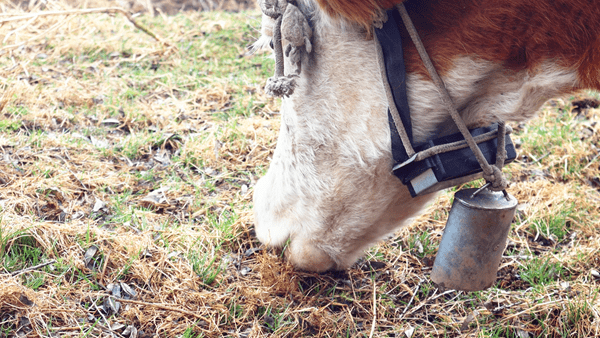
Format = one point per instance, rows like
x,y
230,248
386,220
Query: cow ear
x,y
266,35
260,44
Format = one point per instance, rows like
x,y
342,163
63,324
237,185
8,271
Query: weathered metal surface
x,y
473,241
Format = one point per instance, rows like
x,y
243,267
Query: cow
x,y
329,192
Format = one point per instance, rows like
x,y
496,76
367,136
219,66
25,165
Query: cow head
x,y
330,190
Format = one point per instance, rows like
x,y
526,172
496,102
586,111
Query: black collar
x,y
391,45
442,170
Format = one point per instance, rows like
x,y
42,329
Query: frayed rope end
x,y
282,86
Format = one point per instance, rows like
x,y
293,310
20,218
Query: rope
x,y
503,129
278,47
444,148
278,85
491,173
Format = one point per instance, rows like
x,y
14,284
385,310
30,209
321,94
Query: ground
x,y
127,166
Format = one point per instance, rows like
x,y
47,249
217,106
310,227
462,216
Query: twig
x,y
150,7
442,294
411,298
17,30
90,11
536,160
164,307
530,309
592,161
374,310
31,268
507,306
424,302
104,267
112,333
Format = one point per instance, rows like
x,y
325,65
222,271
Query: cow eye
x,y
271,44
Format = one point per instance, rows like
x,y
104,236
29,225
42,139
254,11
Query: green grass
x,y
556,224
206,265
7,237
422,244
500,332
539,271
189,333
204,257
274,319
20,251
9,126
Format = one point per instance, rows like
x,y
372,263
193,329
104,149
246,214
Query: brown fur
x,y
521,34
360,11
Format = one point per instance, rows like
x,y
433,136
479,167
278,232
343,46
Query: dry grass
x,y
125,160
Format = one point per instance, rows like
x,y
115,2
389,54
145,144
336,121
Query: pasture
x,y
126,176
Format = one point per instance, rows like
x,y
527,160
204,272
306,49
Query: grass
x,y
541,271
150,153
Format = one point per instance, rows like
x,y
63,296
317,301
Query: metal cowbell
x,y
474,240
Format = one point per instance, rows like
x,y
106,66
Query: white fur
x,y
329,188
483,92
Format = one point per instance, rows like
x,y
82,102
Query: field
x,y
127,169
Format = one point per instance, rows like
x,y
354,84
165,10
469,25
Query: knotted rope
x,y
290,21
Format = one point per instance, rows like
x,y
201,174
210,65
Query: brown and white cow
x,y
330,189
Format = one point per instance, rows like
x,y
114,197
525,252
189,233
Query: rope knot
x,y
496,179
273,8
290,25
379,18
281,86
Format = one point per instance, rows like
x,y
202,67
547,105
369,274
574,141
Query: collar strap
x,y
391,64
440,163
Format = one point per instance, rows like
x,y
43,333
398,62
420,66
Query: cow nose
x,y
304,255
